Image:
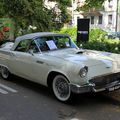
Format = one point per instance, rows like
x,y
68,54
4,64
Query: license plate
x,y
111,89
114,88
117,87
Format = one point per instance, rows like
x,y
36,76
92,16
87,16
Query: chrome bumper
x,y
93,88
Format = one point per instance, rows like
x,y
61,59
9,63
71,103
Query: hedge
x,y
97,40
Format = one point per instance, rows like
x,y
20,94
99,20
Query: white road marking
x,y
8,88
76,119
3,91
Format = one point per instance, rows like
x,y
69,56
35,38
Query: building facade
x,y
75,14
107,17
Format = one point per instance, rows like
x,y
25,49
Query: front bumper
x,y
109,82
104,83
92,88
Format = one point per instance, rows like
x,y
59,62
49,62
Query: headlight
x,y
83,71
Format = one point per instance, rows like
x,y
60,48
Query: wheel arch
x,y
52,75
1,65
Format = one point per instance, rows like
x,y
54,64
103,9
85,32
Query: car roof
x,y
33,36
37,34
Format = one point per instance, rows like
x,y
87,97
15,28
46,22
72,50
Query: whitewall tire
x,y
61,88
5,72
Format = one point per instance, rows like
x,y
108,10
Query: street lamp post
x,y
116,28
72,13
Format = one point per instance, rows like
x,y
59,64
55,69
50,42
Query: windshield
x,y
54,43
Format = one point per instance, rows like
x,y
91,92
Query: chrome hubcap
x,y
62,87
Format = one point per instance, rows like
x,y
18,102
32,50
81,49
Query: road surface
x,y
24,100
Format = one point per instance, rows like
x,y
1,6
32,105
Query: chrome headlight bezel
x,y
83,72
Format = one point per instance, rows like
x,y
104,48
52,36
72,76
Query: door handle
x,y
40,62
15,55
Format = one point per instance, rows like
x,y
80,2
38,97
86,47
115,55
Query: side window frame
x,y
33,47
23,48
38,44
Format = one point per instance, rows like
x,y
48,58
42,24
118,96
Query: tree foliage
x,y
94,3
24,13
27,13
91,4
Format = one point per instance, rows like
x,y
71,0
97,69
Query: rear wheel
x,y
5,72
61,88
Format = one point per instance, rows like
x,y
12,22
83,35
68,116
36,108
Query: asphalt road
x,y
25,100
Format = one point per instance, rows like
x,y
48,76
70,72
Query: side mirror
x,y
31,52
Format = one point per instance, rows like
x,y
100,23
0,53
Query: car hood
x,y
87,57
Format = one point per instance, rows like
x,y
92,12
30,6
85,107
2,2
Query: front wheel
x,y
61,88
5,73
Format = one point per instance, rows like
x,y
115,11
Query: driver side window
x,y
33,47
23,46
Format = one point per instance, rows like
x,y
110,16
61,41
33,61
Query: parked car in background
x,y
113,35
54,60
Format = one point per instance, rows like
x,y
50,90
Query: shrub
x,y
97,35
97,40
102,46
72,32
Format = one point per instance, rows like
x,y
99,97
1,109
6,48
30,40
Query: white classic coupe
x,y
53,60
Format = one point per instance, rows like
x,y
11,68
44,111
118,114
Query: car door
x,y
27,62
21,64
41,64
22,60
40,61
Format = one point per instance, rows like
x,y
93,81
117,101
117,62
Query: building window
x,y
109,19
73,1
78,1
92,19
100,19
110,4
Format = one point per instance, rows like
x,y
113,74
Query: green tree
x,y
91,4
27,12
34,13
65,17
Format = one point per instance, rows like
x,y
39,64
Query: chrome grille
x,y
105,80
